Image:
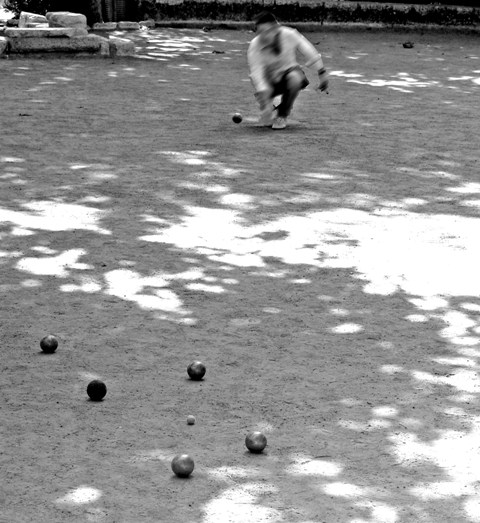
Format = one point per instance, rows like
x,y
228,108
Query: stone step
x,y
121,46
129,26
44,32
35,24
105,26
76,44
3,44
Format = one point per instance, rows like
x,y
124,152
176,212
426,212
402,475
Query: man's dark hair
x,y
265,17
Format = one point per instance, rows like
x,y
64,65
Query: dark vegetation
x,y
464,13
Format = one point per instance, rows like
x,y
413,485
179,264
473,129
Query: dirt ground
x,y
327,275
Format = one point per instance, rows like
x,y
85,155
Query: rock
x,y
129,26
31,18
106,26
3,45
150,24
44,32
66,19
76,44
121,46
33,24
105,48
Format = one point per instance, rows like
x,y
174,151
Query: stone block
x,y
30,18
128,26
44,32
149,24
121,46
3,45
66,19
33,24
75,44
107,26
105,47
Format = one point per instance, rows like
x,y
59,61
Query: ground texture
x,y
327,275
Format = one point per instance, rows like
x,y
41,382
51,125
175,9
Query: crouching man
x,y
274,70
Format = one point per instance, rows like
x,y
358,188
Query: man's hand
x,y
264,99
323,80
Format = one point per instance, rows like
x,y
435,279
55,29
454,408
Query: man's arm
x,y
314,59
255,64
263,90
312,56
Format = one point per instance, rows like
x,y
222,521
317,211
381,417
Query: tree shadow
x,y
328,276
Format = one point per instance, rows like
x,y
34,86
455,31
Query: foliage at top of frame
x,y
340,13
31,6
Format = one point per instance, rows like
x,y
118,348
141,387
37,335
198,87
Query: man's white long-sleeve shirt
x,y
266,67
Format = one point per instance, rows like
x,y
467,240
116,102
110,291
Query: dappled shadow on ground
x,y
328,274
164,45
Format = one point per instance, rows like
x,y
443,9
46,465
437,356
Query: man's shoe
x,y
279,123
